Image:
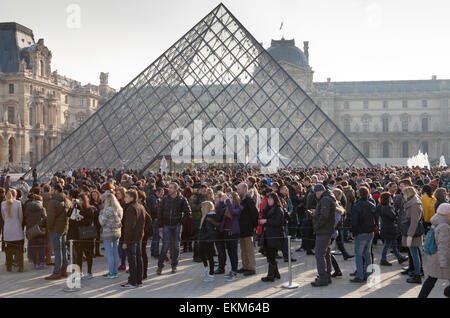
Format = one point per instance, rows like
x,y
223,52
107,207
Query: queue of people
x,y
212,212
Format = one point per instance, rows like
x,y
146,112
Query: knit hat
x,y
319,187
444,209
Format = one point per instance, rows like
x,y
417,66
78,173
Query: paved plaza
x,y
188,282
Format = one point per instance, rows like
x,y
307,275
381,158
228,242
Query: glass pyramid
x,y
218,73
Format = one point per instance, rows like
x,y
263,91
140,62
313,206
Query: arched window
x,y
405,149
386,149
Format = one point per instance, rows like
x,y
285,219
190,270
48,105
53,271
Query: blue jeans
x,y
134,254
112,255
37,245
155,239
59,250
387,245
231,245
416,259
122,254
171,233
362,249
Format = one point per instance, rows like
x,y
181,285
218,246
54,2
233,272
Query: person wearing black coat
x,y
248,220
389,230
82,215
34,213
273,234
148,232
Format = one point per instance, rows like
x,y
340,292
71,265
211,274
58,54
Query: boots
x,y
270,274
276,273
414,279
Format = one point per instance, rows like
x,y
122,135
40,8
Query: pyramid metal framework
x,y
220,74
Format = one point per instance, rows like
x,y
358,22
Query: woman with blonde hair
x,y
110,219
207,236
12,230
412,237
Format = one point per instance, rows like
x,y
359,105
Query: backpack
x,y
429,245
367,222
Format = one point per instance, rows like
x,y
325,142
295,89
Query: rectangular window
x,y
405,149
385,104
347,125
11,115
66,99
366,149
11,88
346,105
365,124
424,103
385,124
366,104
404,125
425,124
404,103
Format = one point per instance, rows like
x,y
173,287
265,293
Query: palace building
x,y
38,106
388,120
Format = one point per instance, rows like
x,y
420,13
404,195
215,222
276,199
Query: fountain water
x,y
420,160
442,162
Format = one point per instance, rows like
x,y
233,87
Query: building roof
x,y
13,38
285,50
402,86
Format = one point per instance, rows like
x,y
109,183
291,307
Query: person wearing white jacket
x,y
12,230
438,264
110,219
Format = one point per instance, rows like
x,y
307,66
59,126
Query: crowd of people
x,y
212,212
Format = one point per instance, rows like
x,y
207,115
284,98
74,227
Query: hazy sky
x,y
349,39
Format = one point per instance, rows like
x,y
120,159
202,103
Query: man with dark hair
x,y
153,201
173,211
58,225
363,228
134,225
195,202
324,227
248,221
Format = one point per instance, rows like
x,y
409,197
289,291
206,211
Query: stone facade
x,y
38,106
388,120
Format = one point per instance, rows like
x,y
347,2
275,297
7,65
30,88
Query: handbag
x,y
87,232
34,232
405,224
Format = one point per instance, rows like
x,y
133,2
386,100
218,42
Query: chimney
x,y
328,79
306,50
433,77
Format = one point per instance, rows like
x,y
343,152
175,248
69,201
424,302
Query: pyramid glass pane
x,y
220,74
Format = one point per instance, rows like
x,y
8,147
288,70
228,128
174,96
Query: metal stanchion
x,y
72,285
290,285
